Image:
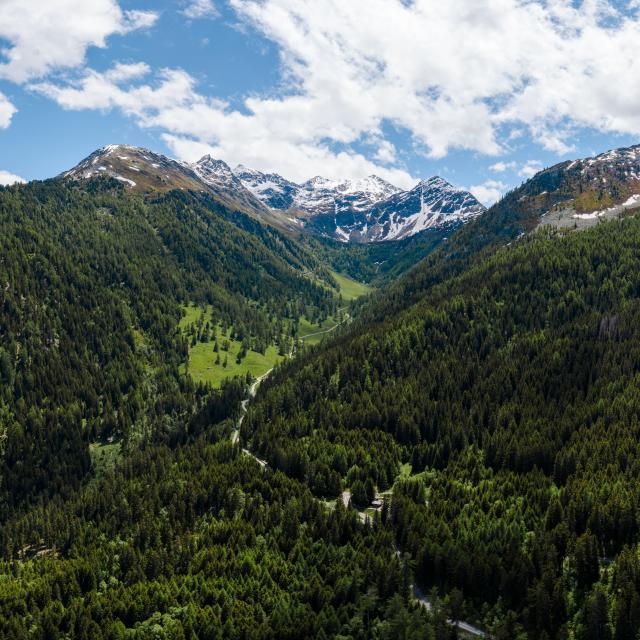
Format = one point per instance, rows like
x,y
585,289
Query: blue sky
x,y
481,92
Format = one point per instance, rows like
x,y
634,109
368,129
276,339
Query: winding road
x,y
418,594
335,326
421,598
235,434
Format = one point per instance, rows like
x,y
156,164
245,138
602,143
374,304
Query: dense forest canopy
x,y
93,281
512,390
127,511
472,436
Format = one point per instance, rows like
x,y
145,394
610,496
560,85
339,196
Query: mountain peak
x,y
207,162
362,209
113,148
318,182
270,188
435,182
215,173
210,160
243,170
136,168
433,204
373,186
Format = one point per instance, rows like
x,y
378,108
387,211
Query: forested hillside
x,y
378,263
473,435
127,511
561,190
93,282
512,391
200,543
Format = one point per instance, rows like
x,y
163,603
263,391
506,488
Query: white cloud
x,y
385,151
6,111
453,72
527,170
125,72
173,89
501,167
296,162
530,168
197,9
7,178
197,125
44,35
489,192
466,74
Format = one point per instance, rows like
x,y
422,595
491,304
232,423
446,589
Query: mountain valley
x,y
221,418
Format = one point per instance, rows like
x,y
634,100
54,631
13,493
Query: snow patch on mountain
x,y
270,188
367,209
364,210
215,173
431,204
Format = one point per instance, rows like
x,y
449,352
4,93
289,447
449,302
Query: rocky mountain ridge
x,y
369,209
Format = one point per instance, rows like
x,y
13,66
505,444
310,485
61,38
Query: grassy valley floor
x,y
208,366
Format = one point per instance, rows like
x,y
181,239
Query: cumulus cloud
x,y
501,167
489,192
195,124
6,111
172,89
197,9
530,168
385,152
527,170
453,72
468,74
7,178
42,35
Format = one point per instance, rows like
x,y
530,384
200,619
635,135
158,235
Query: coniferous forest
x,y
466,437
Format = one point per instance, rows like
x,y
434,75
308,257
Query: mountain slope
x,y
143,171
505,374
222,182
365,210
322,196
138,168
483,419
274,190
510,390
557,197
125,509
433,205
199,542
94,281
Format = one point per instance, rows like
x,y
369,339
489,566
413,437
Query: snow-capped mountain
x,y
272,189
322,196
365,210
215,173
218,176
145,171
137,168
432,203
315,196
